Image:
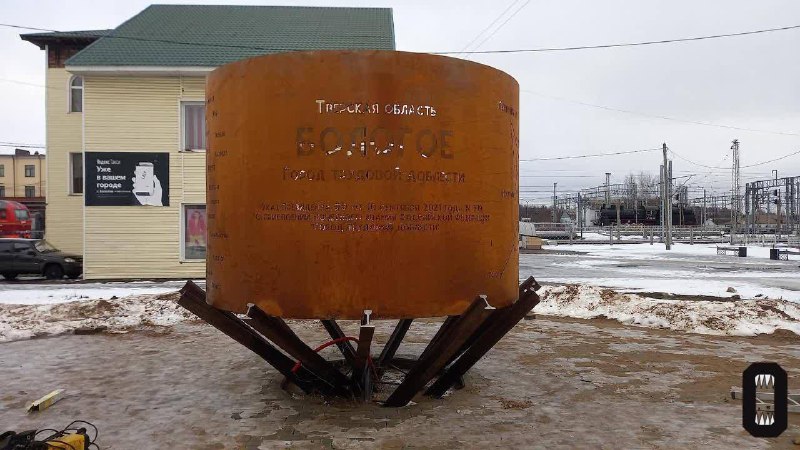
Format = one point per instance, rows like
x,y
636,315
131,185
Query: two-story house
x,y
126,124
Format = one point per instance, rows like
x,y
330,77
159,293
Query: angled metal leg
x,y
336,332
277,331
361,369
394,342
442,331
504,320
438,353
193,298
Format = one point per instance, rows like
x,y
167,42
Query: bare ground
x,y
551,383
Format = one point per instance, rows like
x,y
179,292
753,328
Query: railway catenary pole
x,y
665,197
661,215
581,216
670,193
777,204
703,216
554,202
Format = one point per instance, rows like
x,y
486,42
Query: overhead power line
x,y
20,145
626,44
742,167
595,155
501,25
558,176
769,161
656,116
22,82
496,19
472,52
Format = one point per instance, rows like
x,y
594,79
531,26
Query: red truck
x,y
15,220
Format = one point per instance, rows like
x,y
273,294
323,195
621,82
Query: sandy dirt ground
x,y
551,383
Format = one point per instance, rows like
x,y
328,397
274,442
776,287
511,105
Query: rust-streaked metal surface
x,y
340,181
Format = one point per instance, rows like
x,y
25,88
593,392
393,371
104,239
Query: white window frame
x,y
182,103
70,189
69,94
182,233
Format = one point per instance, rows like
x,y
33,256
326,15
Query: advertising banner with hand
x,y
126,179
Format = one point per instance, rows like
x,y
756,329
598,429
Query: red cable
x,y
298,365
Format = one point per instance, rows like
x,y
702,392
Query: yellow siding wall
x,y
141,114
64,211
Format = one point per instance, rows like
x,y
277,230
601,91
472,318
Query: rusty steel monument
x,y
363,185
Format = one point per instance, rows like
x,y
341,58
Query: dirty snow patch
x,y
116,315
41,293
737,318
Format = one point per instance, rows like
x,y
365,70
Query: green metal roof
x,y
65,37
212,35
67,34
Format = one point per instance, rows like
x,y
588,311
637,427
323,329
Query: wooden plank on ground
x,y
438,353
193,298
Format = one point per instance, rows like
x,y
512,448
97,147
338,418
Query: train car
x,y
643,215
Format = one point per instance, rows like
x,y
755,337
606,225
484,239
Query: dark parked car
x,y
37,257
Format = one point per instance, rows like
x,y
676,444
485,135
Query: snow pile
x,y
45,293
115,315
740,317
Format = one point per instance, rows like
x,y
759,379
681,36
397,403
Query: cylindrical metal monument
x,y
344,181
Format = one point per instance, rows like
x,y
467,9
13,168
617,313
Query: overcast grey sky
x,y
747,82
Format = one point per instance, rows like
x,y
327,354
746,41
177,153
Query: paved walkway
x,y
551,383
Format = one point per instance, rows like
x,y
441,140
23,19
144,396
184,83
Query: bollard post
x,y
651,236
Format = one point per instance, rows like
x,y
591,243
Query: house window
x,y
30,171
76,94
194,232
76,173
2,192
30,191
2,170
193,121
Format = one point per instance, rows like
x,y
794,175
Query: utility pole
x,y
581,215
662,215
554,202
777,203
608,189
665,199
703,216
735,190
669,198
